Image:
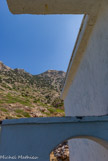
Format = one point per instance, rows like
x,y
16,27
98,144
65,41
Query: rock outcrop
x,y
39,93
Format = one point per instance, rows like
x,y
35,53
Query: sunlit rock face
x,y
4,67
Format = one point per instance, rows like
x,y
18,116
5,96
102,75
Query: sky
x,y
37,43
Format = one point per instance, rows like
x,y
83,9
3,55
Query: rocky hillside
x,y
26,95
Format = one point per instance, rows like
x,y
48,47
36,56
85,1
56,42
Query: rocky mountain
x,y
3,67
25,95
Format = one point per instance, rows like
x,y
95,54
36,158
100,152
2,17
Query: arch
x,y
35,133
95,139
65,152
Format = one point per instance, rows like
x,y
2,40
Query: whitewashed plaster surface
x,y
88,93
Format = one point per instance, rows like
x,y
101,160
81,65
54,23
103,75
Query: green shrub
x,y
59,110
4,109
19,111
51,110
25,114
14,99
19,115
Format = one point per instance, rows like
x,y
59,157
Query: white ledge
x,y
52,6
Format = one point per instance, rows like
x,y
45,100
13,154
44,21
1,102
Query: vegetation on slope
x,y
26,95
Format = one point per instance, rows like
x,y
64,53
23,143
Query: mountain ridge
x,y
19,89
5,67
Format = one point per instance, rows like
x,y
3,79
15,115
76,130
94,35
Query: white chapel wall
x,y
88,93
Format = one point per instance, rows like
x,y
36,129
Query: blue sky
x,y
37,43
